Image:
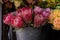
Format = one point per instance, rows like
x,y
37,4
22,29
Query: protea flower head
x,y
38,20
17,22
26,14
8,18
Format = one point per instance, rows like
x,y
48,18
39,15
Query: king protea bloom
x,y
8,18
26,14
38,20
17,22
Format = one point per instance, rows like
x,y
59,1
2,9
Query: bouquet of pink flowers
x,y
27,16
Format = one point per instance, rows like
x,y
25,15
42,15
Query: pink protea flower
x,y
8,18
46,12
17,22
38,10
26,14
38,20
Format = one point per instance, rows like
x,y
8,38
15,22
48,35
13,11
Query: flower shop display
x,y
29,20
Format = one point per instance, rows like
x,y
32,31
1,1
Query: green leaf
x,y
58,7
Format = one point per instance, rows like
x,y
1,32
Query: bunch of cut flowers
x,y
27,17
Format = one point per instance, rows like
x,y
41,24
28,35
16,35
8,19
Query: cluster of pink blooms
x,y
41,16
24,16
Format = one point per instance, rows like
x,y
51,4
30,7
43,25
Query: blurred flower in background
x,y
56,23
54,19
1,2
17,3
53,3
